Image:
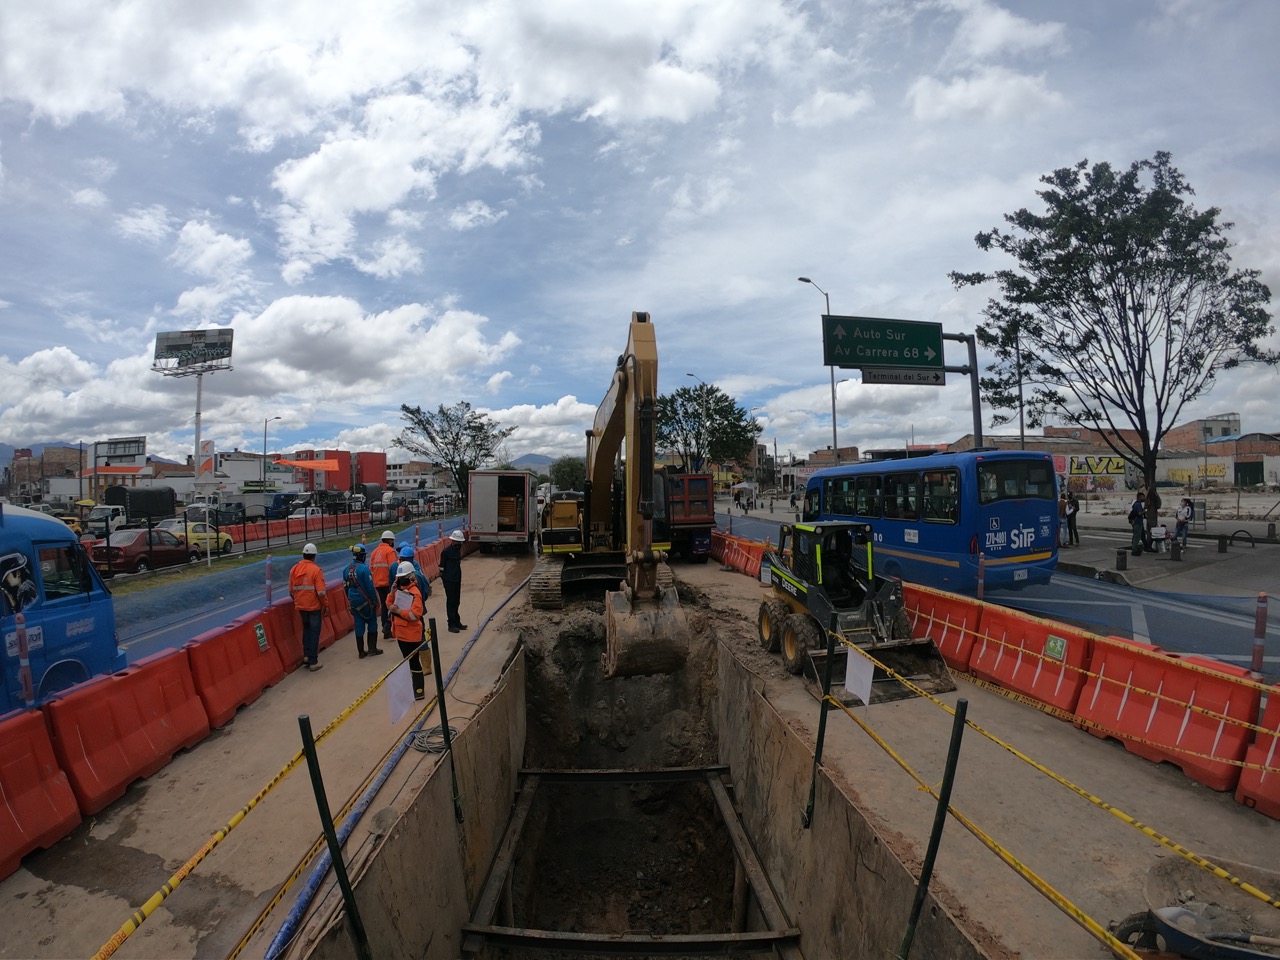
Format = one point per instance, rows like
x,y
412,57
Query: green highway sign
x,y
875,342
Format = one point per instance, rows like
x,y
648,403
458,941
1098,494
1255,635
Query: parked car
x,y
198,534
136,550
306,513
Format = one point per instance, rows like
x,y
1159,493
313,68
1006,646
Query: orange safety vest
x,y
381,562
306,586
406,625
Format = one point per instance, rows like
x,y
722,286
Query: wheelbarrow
x,y
1194,913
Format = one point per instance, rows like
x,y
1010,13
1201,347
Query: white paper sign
x,y
857,676
400,692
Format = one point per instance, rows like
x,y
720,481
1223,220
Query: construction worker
x,y
424,585
382,566
362,597
451,577
306,587
407,611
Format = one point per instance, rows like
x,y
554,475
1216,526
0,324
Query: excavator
x,y
616,532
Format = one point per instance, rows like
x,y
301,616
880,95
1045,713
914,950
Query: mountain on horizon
x,y
533,461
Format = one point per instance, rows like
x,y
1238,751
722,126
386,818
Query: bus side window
x,y
866,495
811,503
940,497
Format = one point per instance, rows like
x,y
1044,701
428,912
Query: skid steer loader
x,y
822,580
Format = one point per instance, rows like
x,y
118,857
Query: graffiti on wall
x,y
1099,465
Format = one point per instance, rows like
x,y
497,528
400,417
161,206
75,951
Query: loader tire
x,y
901,626
799,636
770,623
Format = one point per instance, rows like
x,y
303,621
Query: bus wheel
x,y
769,623
799,636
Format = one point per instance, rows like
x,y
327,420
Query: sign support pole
x,y
970,341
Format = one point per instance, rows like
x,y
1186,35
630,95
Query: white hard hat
x,y
458,535
309,550
387,535
405,569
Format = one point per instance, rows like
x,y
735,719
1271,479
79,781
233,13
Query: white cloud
x,y
987,30
90,197
148,224
992,92
475,213
826,107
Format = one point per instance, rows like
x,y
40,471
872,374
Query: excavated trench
x,y
623,825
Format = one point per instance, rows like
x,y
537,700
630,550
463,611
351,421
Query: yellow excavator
x,y
609,534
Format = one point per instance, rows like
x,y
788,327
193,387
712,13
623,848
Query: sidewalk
x,y
1246,568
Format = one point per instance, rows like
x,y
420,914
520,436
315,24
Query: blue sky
x,y
440,201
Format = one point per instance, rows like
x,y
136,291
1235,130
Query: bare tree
x,y
457,437
1121,306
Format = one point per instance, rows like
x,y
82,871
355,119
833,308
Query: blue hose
x,y
289,929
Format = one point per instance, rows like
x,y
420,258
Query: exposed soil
x,y
619,857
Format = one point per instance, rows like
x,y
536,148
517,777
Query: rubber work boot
x,y
376,651
360,647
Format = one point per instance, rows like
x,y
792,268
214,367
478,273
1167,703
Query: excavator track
x,y
544,584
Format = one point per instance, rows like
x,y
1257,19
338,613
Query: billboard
x,y
193,348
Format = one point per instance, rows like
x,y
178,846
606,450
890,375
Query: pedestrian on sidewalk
x,y
362,597
1182,519
1062,519
1073,511
306,588
407,614
451,577
1137,522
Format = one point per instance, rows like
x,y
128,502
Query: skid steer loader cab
x,y
824,582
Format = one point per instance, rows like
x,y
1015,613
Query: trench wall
x,y
415,893
837,881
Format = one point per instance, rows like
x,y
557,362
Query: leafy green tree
x,y
702,425
1119,308
457,437
568,473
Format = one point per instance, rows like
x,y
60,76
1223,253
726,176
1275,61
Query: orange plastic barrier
x,y
717,546
232,665
1037,658
949,620
287,633
340,619
37,806
1140,693
1260,789
123,727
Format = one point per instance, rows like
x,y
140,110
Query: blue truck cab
x,y
47,577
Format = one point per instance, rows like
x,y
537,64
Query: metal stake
x,y
358,937
822,728
444,719
939,819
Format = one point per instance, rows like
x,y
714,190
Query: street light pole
x,y
264,449
702,405
835,444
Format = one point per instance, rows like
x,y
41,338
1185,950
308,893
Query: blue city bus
x,y
46,576
933,516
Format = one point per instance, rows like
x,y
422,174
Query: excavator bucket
x,y
644,636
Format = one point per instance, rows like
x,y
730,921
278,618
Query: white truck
x,y
501,509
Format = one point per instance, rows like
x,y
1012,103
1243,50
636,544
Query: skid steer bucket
x,y
645,635
918,661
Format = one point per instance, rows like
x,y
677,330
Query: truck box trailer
x,y
501,509
691,514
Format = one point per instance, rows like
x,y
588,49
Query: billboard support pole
x,y
970,341
199,403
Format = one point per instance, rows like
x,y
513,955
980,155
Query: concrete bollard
x,y
1222,544
1175,550
1122,559
1271,531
